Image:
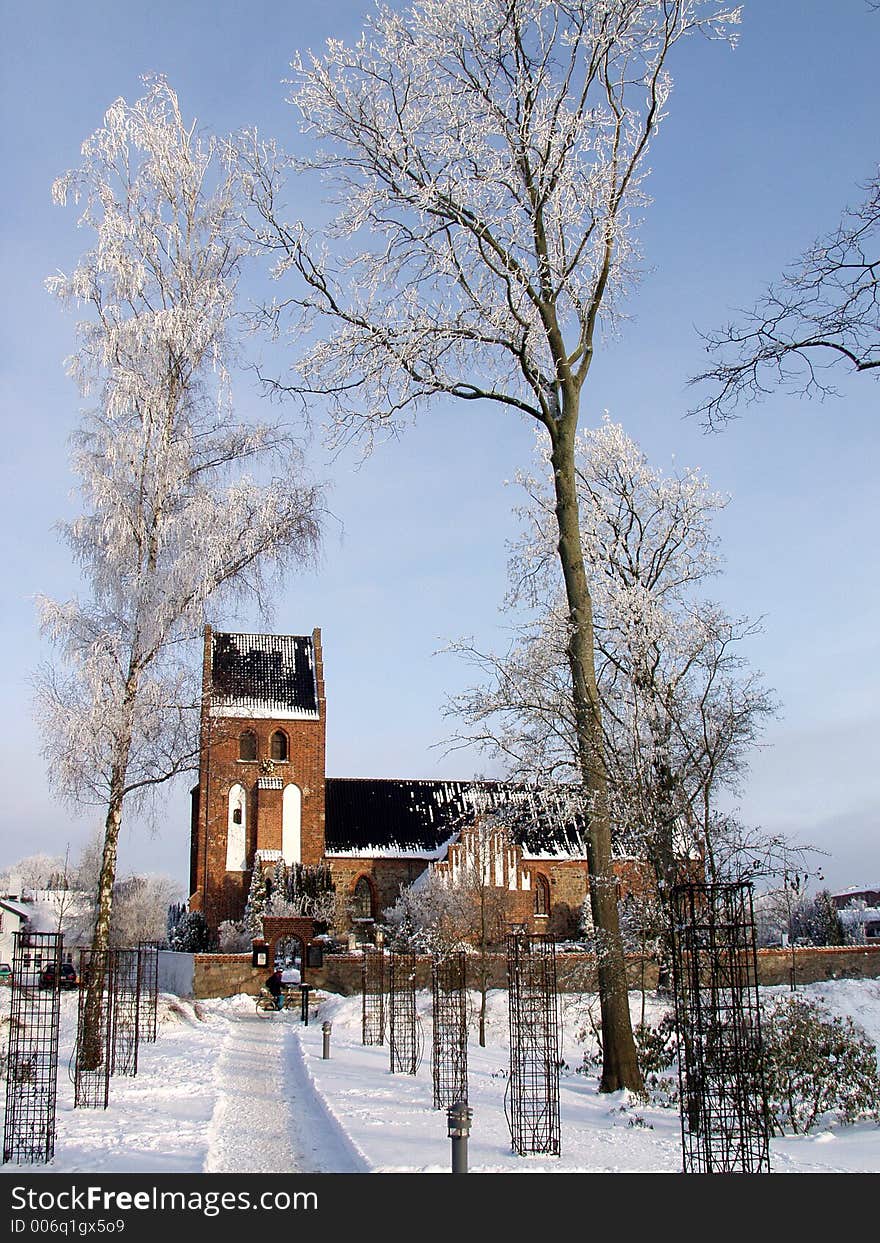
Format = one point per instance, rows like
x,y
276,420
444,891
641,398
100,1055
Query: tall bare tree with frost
x,y
488,160
681,707
182,503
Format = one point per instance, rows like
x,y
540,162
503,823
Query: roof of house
x,y
16,908
418,819
263,674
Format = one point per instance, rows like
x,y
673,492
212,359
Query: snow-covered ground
x,y
226,1090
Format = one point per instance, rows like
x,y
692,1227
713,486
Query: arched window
x,y
278,745
247,746
236,829
542,895
362,900
291,825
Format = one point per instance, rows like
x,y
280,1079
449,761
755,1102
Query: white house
x,y
13,917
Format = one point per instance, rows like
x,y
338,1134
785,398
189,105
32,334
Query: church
x,y
263,795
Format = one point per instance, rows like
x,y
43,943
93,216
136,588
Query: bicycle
x,y
266,1002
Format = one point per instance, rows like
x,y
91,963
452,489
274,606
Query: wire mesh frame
x,y
404,1028
148,952
373,992
92,1055
125,1023
450,1030
724,1118
32,1063
532,1099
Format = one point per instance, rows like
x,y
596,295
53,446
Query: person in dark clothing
x,y
274,986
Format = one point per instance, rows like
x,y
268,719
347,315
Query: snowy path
x,y
267,1119
252,1130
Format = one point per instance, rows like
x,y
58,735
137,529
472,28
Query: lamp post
x,y
459,1117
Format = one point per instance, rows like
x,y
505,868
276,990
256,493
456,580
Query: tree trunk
x,y
620,1067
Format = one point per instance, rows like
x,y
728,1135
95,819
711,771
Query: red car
x,y
67,979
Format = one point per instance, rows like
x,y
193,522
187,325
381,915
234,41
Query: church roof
x,y
269,675
418,819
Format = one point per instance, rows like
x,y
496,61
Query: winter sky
x,y
762,148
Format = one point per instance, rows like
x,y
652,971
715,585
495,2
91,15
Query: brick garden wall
x,y
223,975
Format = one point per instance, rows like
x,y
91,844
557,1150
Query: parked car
x,y
5,973
68,977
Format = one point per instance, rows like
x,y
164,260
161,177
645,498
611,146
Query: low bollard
x,y
326,1028
304,993
459,1117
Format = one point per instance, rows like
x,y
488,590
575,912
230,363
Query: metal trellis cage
x,y
148,952
404,1027
125,1025
92,1055
373,990
724,1119
450,1030
532,1100
32,1066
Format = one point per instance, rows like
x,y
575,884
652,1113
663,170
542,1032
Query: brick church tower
x,y
261,791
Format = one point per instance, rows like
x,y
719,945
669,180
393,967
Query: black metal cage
x,y
32,1063
373,993
148,952
404,1028
125,1022
450,1030
532,1102
93,1055
724,1119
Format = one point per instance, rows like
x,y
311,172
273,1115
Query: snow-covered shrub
x,y
232,937
656,1045
191,934
817,1064
656,1048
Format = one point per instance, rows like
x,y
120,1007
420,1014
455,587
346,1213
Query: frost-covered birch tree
x,y
488,159
680,705
181,503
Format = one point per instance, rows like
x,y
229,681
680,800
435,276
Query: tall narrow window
x,y
291,825
247,746
362,900
278,745
542,895
236,832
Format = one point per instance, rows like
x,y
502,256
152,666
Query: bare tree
x,y
171,519
140,908
680,706
821,318
488,162
462,908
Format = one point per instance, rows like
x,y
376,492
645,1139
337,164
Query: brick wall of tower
x,y
220,894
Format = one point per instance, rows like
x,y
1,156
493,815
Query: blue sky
x,y
762,147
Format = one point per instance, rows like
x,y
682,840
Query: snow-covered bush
x,y
191,934
232,937
656,1045
817,1064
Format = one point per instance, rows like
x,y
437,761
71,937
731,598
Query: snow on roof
x,y
21,909
418,819
263,675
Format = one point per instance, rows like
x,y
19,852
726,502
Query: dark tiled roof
x,y
406,817
264,670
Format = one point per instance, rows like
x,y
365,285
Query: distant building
x,y
264,795
859,910
14,917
